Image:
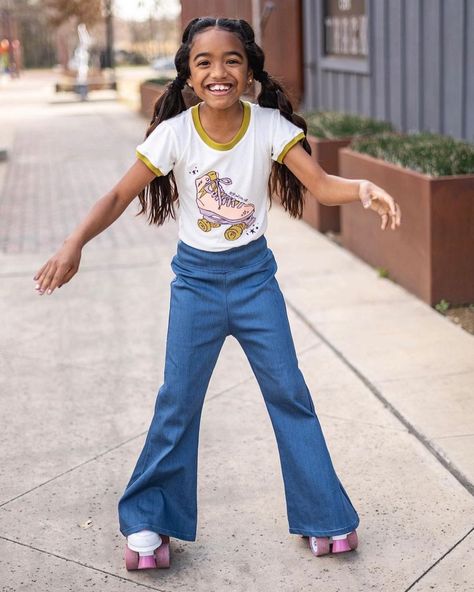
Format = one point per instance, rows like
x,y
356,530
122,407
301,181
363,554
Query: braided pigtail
x,y
282,181
158,198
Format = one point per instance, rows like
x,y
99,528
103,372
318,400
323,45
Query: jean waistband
x,y
233,258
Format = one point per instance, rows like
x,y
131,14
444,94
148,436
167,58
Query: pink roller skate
x,y
217,207
147,550
335,544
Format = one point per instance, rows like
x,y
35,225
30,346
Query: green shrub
x,y
333,125
442,306
162,81
424,152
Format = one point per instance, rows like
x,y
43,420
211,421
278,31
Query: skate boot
x,y
217,207
334,544
147,550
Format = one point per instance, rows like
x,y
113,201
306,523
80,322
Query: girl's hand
x,y
375,198
58,270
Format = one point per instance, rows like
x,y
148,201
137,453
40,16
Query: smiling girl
x,y
222,161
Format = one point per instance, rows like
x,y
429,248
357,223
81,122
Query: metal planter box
x,y
326,153
431,254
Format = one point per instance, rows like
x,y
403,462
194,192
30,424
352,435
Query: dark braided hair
x,y
161,194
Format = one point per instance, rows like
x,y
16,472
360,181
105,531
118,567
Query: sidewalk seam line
x,y
81,564
464,481
438,560
73,469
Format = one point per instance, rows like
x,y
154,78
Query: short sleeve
x,y
159,149
285,135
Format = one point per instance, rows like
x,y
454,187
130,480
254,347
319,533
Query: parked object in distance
x,y
163,63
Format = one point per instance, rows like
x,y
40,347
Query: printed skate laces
x,y
215,189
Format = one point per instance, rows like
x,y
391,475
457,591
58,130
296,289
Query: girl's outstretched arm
x,y
63,265
332,190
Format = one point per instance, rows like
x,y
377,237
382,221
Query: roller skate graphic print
x,y
219,208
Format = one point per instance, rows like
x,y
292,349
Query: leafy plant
x,y
425,152
442,306
334,125
382,272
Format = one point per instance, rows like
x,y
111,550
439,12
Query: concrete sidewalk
x,y
391,379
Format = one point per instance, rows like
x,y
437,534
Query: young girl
x,y
222,160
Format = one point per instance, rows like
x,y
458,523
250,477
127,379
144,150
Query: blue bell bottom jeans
x,y
216,294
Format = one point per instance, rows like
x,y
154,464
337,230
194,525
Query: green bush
x,y
333,125
424,152
162,81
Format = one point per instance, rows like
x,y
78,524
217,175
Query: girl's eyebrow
x,y
226,53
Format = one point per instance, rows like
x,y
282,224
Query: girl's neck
x,y
221,124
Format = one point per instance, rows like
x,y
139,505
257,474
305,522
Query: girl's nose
x,y
218,71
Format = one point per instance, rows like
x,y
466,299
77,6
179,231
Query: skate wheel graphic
x,y
206,226
234,232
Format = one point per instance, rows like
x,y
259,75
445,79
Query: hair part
x,y
161,194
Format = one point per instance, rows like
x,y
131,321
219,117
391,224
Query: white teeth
x,y
219,86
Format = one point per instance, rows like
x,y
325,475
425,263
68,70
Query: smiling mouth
x,y
219,89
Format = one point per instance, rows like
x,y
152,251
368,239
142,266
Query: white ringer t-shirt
x,y
222,188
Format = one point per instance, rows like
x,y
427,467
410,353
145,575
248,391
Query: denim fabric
x,y
215,294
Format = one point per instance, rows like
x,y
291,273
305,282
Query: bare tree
x,y
88,12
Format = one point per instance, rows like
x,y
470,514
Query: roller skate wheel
x,y
234,232
319,545
131,559
204,225
162,554
353,540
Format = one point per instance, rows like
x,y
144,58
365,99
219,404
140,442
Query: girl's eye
x,y
203,63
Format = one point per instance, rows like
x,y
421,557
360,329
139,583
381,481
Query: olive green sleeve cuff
x,y
152,167
288,147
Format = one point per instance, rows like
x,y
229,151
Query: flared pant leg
x,y
162,492
317,503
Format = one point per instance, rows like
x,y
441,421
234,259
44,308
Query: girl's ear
x,y
250,77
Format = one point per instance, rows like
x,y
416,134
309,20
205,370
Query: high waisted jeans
x,y
215,294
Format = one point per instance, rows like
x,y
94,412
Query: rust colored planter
x,y
151,92
326,154
431,253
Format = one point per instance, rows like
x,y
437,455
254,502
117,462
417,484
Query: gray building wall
x,y
419,73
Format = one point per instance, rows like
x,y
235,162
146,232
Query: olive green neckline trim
x,y
216,145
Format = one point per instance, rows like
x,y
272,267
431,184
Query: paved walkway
x,y
391,379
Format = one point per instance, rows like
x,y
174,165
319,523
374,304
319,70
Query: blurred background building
x,y
410,62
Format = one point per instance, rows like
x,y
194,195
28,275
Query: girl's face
x,y
219,68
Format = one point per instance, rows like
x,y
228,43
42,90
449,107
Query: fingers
x,y
394,213
396,216
51,276
58,278
36,277
43,277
